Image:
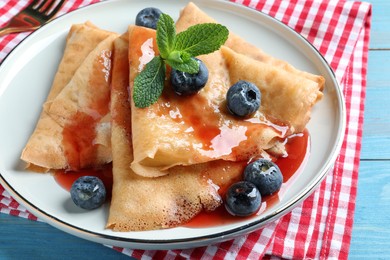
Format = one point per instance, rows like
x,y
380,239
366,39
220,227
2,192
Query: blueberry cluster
x,y
261,178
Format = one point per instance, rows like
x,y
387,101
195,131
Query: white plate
x,y
25,79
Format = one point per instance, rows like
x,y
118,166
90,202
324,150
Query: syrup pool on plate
x,y
66,178
298,149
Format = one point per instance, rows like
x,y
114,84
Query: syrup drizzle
x,y
79,132
220,135
77,140
217,134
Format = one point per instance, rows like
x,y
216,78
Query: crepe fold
x,y
73,130
179,130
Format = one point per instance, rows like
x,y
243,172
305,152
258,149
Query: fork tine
x,y
45,6
40,5
33,4
58,7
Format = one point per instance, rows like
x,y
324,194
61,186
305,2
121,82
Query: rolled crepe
x,y
58,135
197,129
140,203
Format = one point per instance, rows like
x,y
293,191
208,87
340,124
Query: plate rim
x,y
205,239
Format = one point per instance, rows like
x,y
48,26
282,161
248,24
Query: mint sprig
x,y
177,51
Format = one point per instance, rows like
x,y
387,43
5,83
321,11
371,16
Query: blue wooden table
x,y
25,239
371,231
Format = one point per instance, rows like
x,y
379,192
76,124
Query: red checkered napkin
x,y
321,226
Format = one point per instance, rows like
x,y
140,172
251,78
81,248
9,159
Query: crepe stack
x,y
73,130
176,158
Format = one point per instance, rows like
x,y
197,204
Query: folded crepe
x,y
191,15
286,97
73,130
141,203
197,129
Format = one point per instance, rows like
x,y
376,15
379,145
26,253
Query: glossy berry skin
x,y
148,17
265,174
88,192
243,98
185,84
242,199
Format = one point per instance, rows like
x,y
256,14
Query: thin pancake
x,y
45,149
191,15
140,203
286,98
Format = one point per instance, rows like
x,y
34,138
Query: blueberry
x,y
265,174
184,83
148,17
242,199
88,192
243,98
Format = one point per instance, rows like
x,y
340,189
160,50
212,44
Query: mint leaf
x,y
201,39
191,66
165,35
177,51
149,84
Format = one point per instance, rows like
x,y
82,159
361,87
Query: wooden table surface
x,y
25,239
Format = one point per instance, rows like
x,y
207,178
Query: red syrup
x,y
66,178
298,149
79,132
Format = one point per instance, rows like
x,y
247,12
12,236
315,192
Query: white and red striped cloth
x,y
321,226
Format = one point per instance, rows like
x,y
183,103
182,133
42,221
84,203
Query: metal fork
x,y
33,16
